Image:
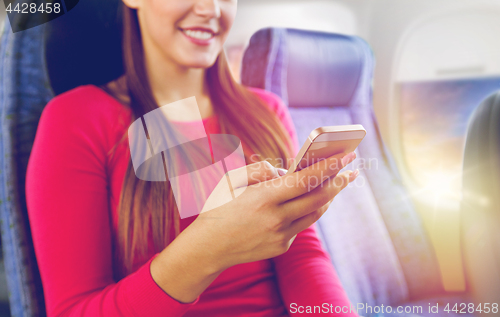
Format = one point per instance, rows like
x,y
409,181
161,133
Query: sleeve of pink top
x,y
305,273
68,205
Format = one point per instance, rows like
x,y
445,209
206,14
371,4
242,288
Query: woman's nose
x,y
209,8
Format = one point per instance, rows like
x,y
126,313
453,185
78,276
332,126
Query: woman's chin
x,y
199,61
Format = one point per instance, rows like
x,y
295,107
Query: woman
x,y
110,244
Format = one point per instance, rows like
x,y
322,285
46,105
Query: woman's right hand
x,y
260,223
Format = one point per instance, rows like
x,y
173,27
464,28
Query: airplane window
x,y
434,118
447,64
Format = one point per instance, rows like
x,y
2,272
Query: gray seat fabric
x,y
23,94
4,293
481,202
372,232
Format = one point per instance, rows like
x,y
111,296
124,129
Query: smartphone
x,y
327,141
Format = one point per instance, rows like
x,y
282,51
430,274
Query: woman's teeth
x,y
199,35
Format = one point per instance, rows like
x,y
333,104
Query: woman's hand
x,y
260,223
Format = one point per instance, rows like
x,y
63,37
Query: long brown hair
x,y
147,210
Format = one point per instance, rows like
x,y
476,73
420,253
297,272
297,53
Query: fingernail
x,y
281,171
353,175
348,158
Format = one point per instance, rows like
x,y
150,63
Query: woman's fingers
x,y
280,188
252,174
299,209
299,183
295,229
239,179
316,198
261,172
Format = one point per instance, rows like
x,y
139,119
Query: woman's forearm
x,y
185,268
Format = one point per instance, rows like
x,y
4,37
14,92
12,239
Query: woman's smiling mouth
x,y
198,35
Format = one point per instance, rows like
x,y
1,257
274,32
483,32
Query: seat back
x,y
78,48
480,208
372,232
23,95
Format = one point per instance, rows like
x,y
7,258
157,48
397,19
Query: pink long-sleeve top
x,y
73,188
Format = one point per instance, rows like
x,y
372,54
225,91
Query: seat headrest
x,y
482,151
84,45
308,68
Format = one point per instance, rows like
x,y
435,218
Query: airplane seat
x,y
375,238
480,211
22,95
84,42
